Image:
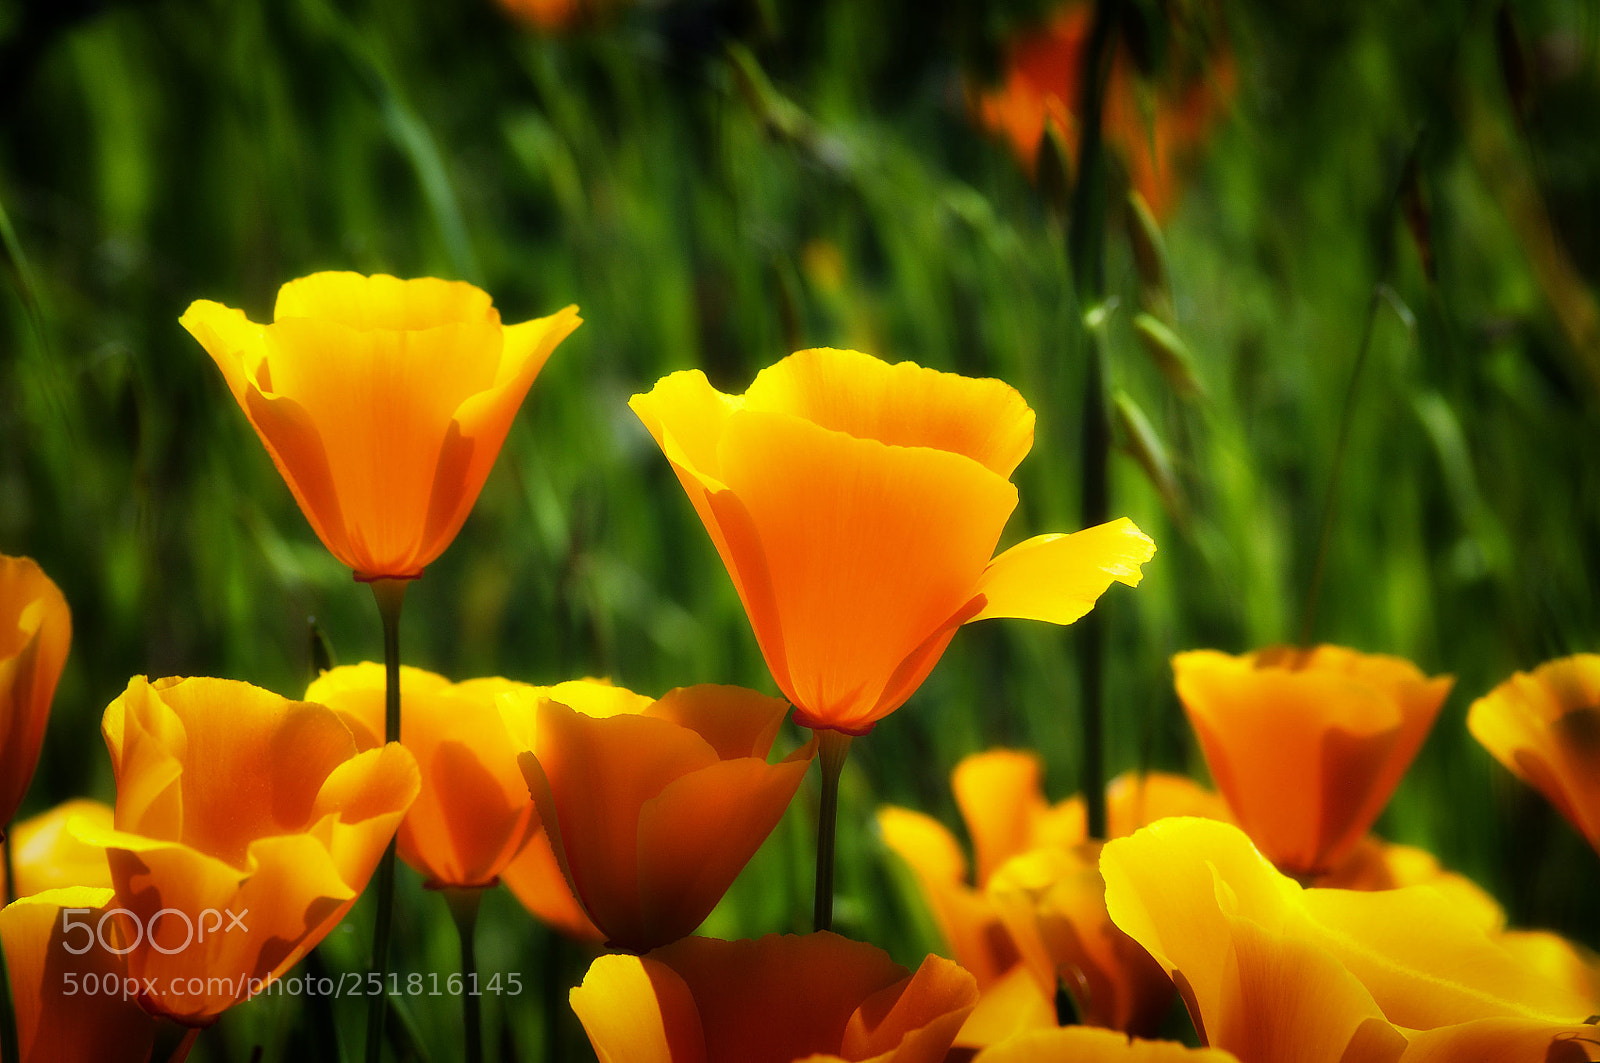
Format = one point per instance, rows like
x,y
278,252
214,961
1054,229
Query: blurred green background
x,y
719,182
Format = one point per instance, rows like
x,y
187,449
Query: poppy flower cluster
x,y
858,507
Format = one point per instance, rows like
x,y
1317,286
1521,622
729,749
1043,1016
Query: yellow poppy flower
x,y
653,807
48,855
473,814
69,987
1307,745
818,998
383,403
1544,726
1085,1044
1274,972
35,633
857,506
246,826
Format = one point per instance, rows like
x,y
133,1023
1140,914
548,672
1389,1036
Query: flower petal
x,y
1058,578
904,405
381,301
638,1011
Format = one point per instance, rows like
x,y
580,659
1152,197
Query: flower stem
x,y
834,746
463,904
390,595
1086,252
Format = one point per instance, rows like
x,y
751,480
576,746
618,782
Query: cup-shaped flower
x,y
1085,1044
246,826
1052,901
817,997
69,987
653,807
474,813
35,633
1307,745
48,854
857,506
1544,726
1276,973
383,402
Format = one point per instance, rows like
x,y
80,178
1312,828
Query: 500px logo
x,y
194,929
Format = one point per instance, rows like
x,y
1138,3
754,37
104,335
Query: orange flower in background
x,y
1150,131
52,960
1002,802
1544,726
35,633
817,998
1275,973
1307,745
473,814
1052,901
383,403
251,821
653,807
857,505
1083,1044
48,855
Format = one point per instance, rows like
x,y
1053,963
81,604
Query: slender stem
x,y
11,866
834,746
1086,252
554,990
1330,501
463,904
390,595
172,1041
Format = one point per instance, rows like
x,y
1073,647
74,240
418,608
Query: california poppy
x,y
1307,745
47,854
857,505
1544,726
35,633
534,878
383,403
246,826
1085,1044
473,814
1151,128
1001,798
818,998
69,986
653,807
1274,972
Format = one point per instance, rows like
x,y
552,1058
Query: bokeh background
x,y
719,182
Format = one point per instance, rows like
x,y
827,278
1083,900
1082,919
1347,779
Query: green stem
x,y
1086,253
463,902
390,595
834,746
1330,501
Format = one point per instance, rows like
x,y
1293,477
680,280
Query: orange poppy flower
x,y
653,807
1085,1044
1544,726
473,815
1002,802
383,403
70,989
35,632
1307,745
1150,131
1272,972
246,826
857,505
818,998
48,855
